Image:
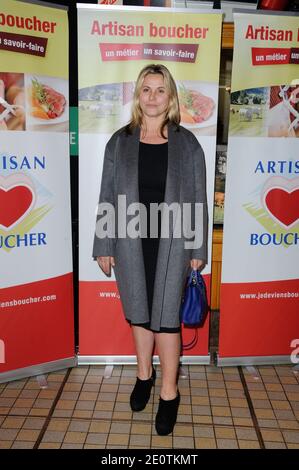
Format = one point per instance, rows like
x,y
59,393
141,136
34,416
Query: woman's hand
x,y
105,263
197,264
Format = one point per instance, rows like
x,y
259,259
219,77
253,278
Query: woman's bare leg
x,y
169,348
144,344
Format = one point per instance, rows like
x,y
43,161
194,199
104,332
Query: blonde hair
x,y
173,110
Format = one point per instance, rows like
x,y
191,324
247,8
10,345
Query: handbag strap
x,y
192,343
196,277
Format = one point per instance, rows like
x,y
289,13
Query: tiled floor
x,y
220,408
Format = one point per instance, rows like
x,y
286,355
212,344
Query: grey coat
x,y
185,182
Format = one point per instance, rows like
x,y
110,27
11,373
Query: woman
x,y
153,160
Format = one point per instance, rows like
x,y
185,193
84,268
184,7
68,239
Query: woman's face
x,y
154,97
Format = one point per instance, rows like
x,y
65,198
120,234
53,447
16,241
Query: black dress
x,y
152,173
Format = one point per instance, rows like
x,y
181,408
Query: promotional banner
x,y
36,294
114,45
110,2
260,276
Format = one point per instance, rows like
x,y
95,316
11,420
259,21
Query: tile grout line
x,y
251,409
114,411
131,420
192,422
210,404
154,389
286,399
126,421
52,409
152,422
77,400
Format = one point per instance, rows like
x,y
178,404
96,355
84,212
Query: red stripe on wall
x,y
104,331
37,322
258,318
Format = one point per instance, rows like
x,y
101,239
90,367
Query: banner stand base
x,y
130,360
38,369
108,372
254,360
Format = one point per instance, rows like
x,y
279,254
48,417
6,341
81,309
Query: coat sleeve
x,y
104,244
201,197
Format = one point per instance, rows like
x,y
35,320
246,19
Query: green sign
x,y
74,130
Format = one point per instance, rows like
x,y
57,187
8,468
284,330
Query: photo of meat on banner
x,y
198,106
47,107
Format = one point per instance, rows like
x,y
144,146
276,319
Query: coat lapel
x,y
172,189
129,151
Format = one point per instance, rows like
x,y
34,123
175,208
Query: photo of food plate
x,y
198,103
46,100
12,102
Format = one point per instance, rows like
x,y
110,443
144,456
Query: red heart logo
x,y
283,205
14,203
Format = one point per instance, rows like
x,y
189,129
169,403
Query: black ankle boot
x,y
141,392
167,415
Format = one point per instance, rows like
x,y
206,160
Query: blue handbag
x,y
194,305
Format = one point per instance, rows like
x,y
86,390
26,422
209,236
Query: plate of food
x,y
47,100
197,103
